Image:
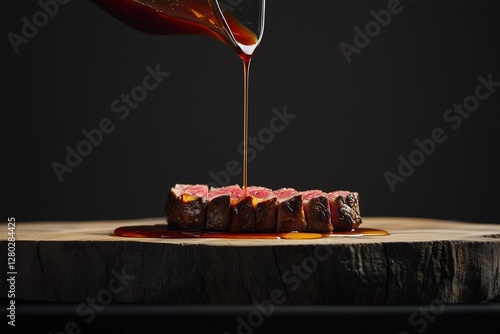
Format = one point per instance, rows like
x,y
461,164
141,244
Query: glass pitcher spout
x,y
244,23
237,23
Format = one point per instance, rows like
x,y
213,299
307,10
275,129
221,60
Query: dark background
x,y
353,120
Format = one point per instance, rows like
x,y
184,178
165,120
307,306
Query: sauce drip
x,y
246,68
162,231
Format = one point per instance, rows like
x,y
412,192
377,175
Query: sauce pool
x,y
162,231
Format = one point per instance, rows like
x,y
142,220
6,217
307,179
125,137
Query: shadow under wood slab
x,y
420,261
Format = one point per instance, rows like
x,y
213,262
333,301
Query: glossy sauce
x,y
182,17
162,231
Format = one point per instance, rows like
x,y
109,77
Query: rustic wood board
x,y
422,261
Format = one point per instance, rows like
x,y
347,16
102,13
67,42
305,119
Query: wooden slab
x,y
420,262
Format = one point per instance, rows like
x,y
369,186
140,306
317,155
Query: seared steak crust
x,y
242,215
317,211
290,212
345,211
219,213
186,207
264,202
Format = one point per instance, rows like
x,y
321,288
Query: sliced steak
x,y
186,206
229,209
290,212
242,212
219,209
344,207
317,211
264,204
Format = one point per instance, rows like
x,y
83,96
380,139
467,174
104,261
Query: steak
x,y
261,210
228,209
187,206
242,212
344,207
317,211
219,209
264,204
290,211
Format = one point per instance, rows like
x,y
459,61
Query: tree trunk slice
x,y
421,261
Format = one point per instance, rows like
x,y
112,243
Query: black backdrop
x,y
351,120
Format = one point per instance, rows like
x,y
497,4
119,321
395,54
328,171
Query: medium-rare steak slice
x,y
290,212
242,212
186,206
344,207
219,209
264,203
317,211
